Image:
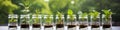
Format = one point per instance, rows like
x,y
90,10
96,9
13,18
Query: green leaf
x,y
36,20
48,20
59,15
94,14
70,12
83,15
107,14
12,20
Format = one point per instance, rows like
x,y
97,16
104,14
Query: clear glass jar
x,y
13,21
59,22
36,19
83,22
71,22
48,22
95,23
106,22
24,21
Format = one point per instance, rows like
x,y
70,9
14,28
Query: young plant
x,y
83,15
94,17
107,14
26,4
94,14
70,13
12,20
48,19
24,20
37,15
36,20
59,17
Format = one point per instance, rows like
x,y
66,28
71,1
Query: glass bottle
x,y
24,21
83,21
71,22
95,23
36,22
48,22
13,22
106,22
60,22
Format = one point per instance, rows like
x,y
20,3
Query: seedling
x,y
107,14
70,13
83,15
94,14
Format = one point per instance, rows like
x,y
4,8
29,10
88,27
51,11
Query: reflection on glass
x,y
24,21
83,21
71,22
48,23
13,22
36,22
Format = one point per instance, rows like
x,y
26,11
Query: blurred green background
x,y
54,6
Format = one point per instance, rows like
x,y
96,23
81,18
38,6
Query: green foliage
x,y
107,14
10,6
70,12
36,20
6,6
83,15
13,20
46,11
26,3
36,6
42,6
24,20
57,4
48,20
52,6
94,14
59,17
37,11
77,5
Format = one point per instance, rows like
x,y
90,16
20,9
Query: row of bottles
x,y
59,22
